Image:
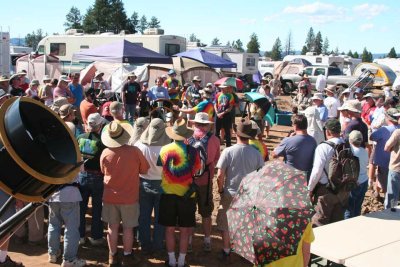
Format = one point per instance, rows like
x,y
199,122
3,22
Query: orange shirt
x,y
121,167
86,109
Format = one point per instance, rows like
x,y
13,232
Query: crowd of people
x,y
157,152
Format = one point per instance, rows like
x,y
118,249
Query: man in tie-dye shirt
x,y
224,103
177,205
205,105
173,85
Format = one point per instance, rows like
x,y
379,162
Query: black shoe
x,y
224,257
10,263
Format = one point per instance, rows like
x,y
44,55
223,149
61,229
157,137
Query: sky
x,y
348,25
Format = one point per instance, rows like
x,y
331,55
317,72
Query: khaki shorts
x,y
222,219
114,214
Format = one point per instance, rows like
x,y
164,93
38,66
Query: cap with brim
x,y
59,102
356,137
65,110
318,96
35,82
94,120
351,105
245,129
202,118
155,134
116,134
333,125
171,72
4,78
179,131
391,114
359,91
368,95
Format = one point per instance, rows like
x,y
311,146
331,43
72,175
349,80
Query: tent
x,y
384,75
207,58
121,51
38,66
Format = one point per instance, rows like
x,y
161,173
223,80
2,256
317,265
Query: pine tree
x,y
228,44
193,38
238,45
215,41
276,51
253,46
325,47
142,24
318,43
34,38
356,55
118,20
154,23
336,52
366,56
133,23
370,57
392,53
310,40
73,19
304,50
97,17
289,44
350,54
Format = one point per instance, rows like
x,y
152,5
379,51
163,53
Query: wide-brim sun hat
x,y
245,129
331,88
318,96
351,105
13,77
179,131
368,95
94,120
4,78
116,134
155,134
202,118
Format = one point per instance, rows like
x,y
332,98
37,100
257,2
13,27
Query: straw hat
x,y
132,74
351,105
318,96
245,129
202,118
116,134
179,131
355,137
331,88
13,77
155,134
4,78
391,114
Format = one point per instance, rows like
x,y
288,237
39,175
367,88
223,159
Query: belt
x,y
94,172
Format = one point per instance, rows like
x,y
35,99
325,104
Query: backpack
x,y
344,168
88,147
201,146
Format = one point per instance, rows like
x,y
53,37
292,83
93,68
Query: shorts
x,y
115,213
177,211
205,209
222,219
383,177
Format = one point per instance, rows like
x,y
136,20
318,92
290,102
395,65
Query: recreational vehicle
x,y
333,61
65,45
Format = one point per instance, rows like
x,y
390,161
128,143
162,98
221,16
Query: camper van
x,y
65,45
325,60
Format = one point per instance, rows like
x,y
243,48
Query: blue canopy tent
x,y
121,51
207,58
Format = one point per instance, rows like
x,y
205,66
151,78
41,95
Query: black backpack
x,y
201,146
344,168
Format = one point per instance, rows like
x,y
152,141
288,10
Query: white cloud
x,y
247,21
366,27
370,10
318,13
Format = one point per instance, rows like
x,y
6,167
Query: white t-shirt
x,y
362,155
332,104
151,154
320,83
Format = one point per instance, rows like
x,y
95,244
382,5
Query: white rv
x,y
5,62
324,60
247,63
64,46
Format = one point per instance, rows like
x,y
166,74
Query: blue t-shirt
x,y
157,93
77,91
381,136
323,113
298,151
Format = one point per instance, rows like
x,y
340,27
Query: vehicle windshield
x,y
334,71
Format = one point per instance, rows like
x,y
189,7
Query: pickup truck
x,y
334,76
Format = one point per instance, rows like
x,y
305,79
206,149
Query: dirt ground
x,y
36,256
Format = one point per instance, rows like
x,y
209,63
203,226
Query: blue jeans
x,y
91,184
66,213
130,111
393,187
356,199
149,199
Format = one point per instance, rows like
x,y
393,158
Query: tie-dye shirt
x,y
207,107
224,101
172,83
179,163
261,147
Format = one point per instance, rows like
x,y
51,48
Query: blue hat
x,y
171,72
359,91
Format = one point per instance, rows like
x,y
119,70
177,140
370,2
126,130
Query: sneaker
x,y
53,258
97,242
130,260
75,263
10,263
113,259
207,247
82,241
189,248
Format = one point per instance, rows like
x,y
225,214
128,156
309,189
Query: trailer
x,y
323,60
5,59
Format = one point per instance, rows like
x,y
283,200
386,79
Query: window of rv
x,y
318,60
58,49
172,49
250,62
40,49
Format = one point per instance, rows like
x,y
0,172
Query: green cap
x,y
333,125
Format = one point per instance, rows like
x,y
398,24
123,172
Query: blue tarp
x,y
207,58
121,51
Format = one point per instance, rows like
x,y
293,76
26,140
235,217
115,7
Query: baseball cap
x,y
333,125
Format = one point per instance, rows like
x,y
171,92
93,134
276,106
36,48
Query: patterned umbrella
x,y
232,81
269,213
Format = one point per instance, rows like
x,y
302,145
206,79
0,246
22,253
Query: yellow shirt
x,y
295,260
